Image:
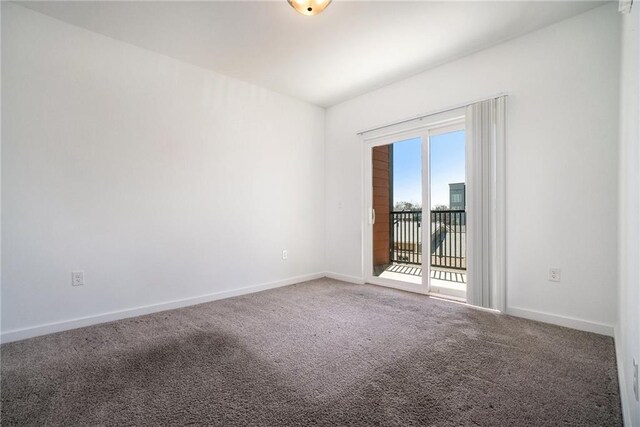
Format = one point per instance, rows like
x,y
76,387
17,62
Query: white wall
x,y
161,180
562,158
628,331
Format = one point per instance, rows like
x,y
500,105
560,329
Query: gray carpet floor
x,y
318,353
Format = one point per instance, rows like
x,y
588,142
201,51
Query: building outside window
x,y
457,196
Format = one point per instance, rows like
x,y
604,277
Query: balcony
x,y
447,253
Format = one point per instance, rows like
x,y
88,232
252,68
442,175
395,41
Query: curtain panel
x,y
486,222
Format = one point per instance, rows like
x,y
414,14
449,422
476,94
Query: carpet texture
x,y
318,353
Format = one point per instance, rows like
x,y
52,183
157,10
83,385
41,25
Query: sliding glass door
x,y
396,185
395,194
415,215
448,216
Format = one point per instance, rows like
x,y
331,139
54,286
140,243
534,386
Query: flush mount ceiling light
x,y
309,7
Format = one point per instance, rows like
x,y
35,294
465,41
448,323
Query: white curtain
x,y
485,130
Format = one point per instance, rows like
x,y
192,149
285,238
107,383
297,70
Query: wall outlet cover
x,y
77,278
554,274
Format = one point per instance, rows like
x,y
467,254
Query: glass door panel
x,y
447,219
397,211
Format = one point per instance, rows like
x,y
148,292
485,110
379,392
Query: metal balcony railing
x,y
406,239
448,238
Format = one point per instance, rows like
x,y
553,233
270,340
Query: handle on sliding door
x,y
372,216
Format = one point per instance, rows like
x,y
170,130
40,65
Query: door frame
x,y
424,132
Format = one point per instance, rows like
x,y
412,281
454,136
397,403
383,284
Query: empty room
x,y
316,212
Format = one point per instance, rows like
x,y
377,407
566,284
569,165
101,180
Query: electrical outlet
x,y
77,278
284,254
636,393
554,274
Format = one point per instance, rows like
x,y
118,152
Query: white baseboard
x,y
569,322
626,412
49,328
345,278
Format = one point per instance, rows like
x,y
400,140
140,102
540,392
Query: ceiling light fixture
x,y
309,7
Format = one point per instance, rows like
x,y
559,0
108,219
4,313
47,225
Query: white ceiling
x,y
351,48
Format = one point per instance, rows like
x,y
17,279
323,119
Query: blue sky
x,y
447,166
